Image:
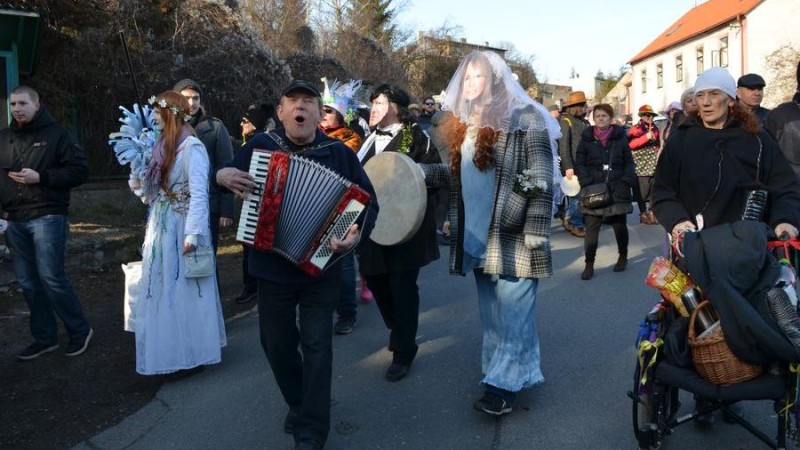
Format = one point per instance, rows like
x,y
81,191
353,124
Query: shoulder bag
x,y
598,195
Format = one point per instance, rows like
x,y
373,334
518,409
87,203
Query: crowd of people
x,y
491,162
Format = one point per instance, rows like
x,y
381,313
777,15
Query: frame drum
x,y
402,198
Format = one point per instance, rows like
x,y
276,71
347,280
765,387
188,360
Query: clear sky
x,y
561,34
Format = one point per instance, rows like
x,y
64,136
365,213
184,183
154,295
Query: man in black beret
x,y
750,91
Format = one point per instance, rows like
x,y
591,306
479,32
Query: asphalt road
x,y
587,331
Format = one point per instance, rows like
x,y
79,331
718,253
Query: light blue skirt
x,y
510,356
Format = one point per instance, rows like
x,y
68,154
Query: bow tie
x,y
384,133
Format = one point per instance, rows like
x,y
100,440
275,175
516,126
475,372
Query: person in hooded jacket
x,y
603,156
41,164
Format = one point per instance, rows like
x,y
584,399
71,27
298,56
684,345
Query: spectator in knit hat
x,y
214,136
257,118
750,91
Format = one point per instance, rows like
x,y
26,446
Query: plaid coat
x,y
513,216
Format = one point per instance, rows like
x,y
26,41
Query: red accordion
x,y
297,207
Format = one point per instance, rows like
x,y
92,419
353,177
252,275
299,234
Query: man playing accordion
x,y
304,379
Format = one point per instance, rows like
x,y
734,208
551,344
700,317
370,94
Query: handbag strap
x,y
610,156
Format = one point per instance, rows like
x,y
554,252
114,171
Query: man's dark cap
x,y
751,80
301,85
187,83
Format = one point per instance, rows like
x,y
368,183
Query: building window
x,y
679,68
644,81
660,76
700,65
723,51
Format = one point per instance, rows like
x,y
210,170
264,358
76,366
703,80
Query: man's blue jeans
x,y
573,214
39,247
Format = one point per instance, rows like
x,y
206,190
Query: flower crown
x,y
165,105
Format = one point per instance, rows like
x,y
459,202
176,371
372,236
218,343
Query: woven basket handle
x,y
693,316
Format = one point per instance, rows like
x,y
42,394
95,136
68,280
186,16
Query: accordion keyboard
x,y
248,219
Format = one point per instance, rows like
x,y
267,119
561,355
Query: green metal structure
x,y
19,48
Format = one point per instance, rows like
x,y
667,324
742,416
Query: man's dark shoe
x,y
492,404
344,325
397,372
79,345
36,350
291,419
245,296
307,445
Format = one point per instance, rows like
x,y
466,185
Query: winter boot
x,y
622,262
588,271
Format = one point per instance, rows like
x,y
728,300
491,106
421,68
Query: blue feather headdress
x,y
133,143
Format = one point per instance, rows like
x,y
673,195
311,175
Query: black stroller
x,y
659,377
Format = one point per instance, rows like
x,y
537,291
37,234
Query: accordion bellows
x,y
297,207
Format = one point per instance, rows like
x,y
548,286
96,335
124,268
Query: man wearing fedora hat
x,y
750,92
573,122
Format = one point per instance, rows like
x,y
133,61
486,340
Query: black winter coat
x,y
572,128
708,171
589,162
783,123
46,147
214,136
422,248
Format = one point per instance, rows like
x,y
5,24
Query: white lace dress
x,y
177,320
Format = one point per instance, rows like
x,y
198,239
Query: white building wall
x,y
672,87
771,25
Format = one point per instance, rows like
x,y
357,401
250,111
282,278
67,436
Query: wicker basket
x,y
714,360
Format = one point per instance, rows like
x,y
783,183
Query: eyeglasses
x,y
428,103
328,110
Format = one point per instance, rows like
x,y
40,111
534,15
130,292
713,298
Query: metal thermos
x,y
691,298
755,205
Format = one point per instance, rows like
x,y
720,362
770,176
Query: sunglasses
x,y
428,103
328,110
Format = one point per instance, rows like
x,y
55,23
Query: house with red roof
x,y
739,35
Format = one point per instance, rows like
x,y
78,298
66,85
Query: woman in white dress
x,y
177,320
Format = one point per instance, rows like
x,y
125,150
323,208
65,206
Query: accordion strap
x,y
286,148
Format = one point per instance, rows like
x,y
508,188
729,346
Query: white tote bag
x,y
133,274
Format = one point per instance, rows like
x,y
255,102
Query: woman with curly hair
x,y
502,165
177,320
715,157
